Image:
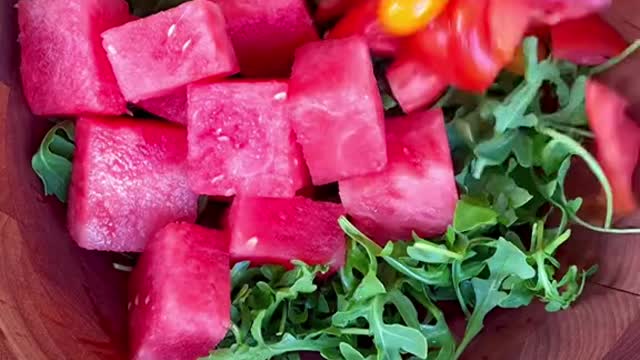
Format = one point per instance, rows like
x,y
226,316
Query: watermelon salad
x,y
316,179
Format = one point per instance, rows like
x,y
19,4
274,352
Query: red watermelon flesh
x,y
265,34
179,294
64,68
417,190
241,141
129,180
276,231
336,110
153,56
172,107
413,84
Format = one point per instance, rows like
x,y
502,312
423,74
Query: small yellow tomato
x,y
405,17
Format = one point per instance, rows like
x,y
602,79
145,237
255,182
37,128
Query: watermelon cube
x,y
180,294
336,110
241,141
265,34
128,181
276,231
416,192
64,69
172,107
155,55
413,84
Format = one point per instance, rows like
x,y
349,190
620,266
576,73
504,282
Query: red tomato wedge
x,y
432,45
413,84
458,46
363,20
586,41
508,21
617,141
475,64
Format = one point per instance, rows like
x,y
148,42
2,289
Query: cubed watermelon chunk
x,y
336,110
172,107
417,190
241,141
64,69
155,55
265,34
129,180
276,231
413,84
180,294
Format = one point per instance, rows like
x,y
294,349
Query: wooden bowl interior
x,y
58,301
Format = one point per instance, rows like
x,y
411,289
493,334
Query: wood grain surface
x,y
60,302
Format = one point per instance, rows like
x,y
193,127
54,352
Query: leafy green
x,y
511,160
52,163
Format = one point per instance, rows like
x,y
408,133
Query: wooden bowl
x,y
58,301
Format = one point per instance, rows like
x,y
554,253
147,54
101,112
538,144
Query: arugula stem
x,y
600,229
438,250
356,331
591,162
571,129
617,59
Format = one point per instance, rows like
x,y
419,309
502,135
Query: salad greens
x,y
512,159
52,162
512,156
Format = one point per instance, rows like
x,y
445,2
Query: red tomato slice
x,y
586,41
508,22
617,141
554,11
363,20
475,64
432,45
413,84
332,9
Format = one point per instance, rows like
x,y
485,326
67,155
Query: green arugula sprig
x,y
381,305
512,159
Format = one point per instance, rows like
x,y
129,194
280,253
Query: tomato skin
x,y
432,45
475,64
508,20
362,20
617,140
405,17
586,41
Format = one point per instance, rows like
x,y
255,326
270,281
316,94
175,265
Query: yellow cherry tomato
x,y
405,17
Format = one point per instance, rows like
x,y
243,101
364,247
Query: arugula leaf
x,y
287,344
511,161
508,261
53,161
